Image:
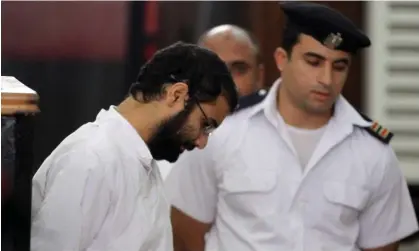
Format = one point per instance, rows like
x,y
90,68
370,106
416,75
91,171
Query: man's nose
x,y
201,141
325,76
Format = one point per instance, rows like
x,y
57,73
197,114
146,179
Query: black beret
x,y
324,24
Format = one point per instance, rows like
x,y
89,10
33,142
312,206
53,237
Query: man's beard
x,y
169,140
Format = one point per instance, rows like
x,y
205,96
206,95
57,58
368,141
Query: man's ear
x,y
281,58
176,94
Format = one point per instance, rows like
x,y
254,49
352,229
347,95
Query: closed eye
x,y
341,65
239,67
313,62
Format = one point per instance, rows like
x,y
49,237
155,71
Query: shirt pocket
x,y
250,192
344,201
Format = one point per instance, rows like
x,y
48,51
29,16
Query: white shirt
x,y
165,167
248,182
304,142
100,189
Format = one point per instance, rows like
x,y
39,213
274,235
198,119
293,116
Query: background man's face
x,y
240,58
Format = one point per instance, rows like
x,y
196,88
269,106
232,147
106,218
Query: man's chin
x,y
172,159
168,157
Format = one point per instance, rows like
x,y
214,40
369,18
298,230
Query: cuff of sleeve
x,y
381,241
195,213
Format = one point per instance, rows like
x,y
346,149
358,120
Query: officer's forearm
x,y
178,244
390,247
188,233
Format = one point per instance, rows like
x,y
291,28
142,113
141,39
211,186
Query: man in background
x,y
241,53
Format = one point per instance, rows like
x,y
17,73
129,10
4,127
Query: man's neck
x,y
297,117
143,117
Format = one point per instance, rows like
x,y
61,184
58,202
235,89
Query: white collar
x,y
132,140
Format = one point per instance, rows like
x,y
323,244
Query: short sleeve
x,y
191,185
389,216
75,203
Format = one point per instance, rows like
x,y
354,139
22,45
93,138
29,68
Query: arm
x,y
75,204
391,247
389,215
188,233
192,191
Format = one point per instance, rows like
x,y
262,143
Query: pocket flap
x,y
345,194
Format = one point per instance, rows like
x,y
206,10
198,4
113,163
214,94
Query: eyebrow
x,y
318,56
238,63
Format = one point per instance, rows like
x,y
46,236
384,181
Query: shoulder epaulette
x,y
251,99
378,131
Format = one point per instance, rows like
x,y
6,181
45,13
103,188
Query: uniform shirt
x,y
100,189
304,142
249,183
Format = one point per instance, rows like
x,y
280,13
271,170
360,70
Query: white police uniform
x,y
100,189
249,182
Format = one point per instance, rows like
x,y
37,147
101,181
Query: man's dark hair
x,y
203,71
290,37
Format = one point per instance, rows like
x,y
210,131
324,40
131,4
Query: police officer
x,y
299,169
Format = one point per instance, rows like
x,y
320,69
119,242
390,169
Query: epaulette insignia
x,y
251,99
378,131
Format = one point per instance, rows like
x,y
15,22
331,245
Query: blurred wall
x,y
186,21
73,54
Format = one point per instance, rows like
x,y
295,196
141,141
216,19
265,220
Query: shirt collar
x,y
126,133
344,112
269,103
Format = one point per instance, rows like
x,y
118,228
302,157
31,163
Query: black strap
x,y
251,99
378,131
